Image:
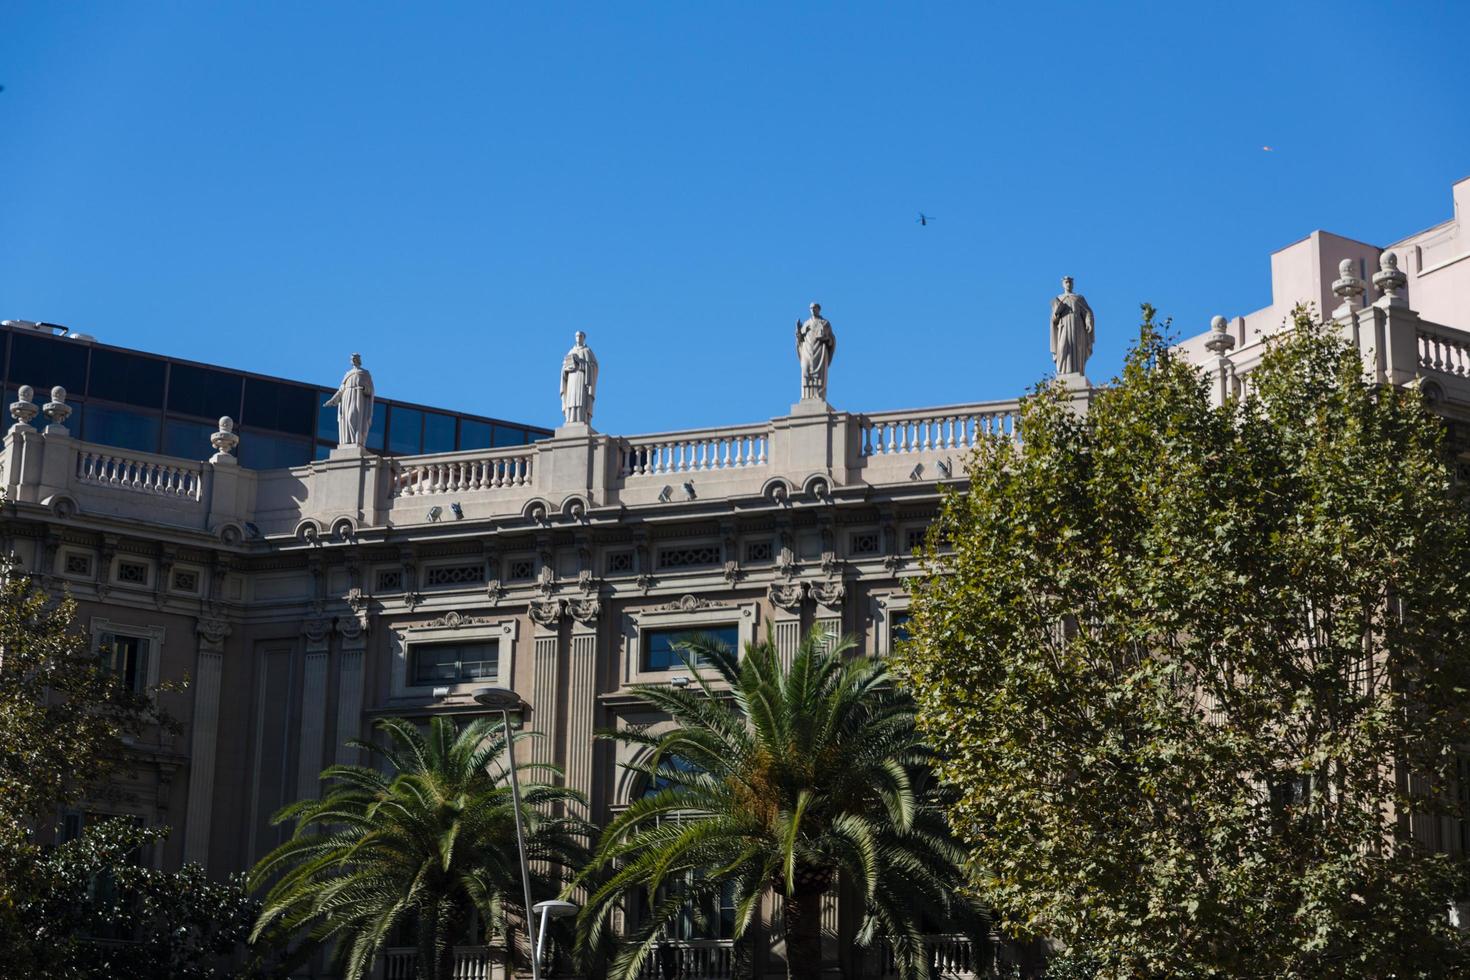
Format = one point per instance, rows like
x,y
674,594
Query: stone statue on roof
x,y
578,382
1071,331
354,402
815,346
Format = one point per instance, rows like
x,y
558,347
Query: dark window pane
x,y
378,428
326,417
131,378
900,627
187,440
323,450
120,427
434,664
43,363
405,430
202,391
510,435
658,645
474,435
265,451
450,663
283,407
438,433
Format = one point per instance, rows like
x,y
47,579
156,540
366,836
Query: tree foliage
x,y
779,780
419,847
1195,668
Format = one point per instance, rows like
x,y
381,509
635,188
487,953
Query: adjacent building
x,y
308,588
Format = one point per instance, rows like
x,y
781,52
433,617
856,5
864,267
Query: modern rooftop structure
x,y
398,575
128,399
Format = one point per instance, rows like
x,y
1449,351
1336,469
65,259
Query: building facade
x,y
304,602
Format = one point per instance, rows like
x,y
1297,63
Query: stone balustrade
x,y
418,476
696,959
960,427
1447,351
470,963
951,957
691,452
158,475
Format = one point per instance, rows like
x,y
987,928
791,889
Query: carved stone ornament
x,y
829,594
1347,287
786,561
788,595
494,591
892,563
545,612
585,611
546,580
351,628
316,630
831,564
690,603
213,631
644,582
732,572
356,599
23,409
453,620
1072,330
816,345
585,581
353,400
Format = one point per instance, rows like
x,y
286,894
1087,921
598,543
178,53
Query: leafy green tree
x,y
777,780
91,908
421,846
1196,668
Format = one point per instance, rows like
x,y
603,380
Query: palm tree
x,y
782,780
420,846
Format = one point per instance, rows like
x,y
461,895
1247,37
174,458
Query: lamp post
x,y
503,699
555,908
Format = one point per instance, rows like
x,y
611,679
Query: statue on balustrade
x,y
815,346
578,382
354,401
1071,330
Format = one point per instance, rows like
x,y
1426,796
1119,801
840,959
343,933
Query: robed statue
x,y
1071,330
354,401
815,345
578,382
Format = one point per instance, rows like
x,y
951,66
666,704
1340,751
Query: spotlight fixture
x,y
680,681
688,489
665,495
440,693
917,472
252,530
946,468
435,512
457,510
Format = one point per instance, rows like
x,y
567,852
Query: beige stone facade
x,y
304,603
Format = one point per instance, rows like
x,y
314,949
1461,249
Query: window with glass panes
x,y
452,663
714,916
660,646
126,657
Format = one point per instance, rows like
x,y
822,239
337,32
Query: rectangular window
x,y
509,435
129,378
474,435
126,657
121,428
187,440
659,651
405,430
79,565
438,433
865,543
326,417
898,627
186,581
203,392
389,580
132,572
452,663
696,556
43,363
452,575
262,451
281,407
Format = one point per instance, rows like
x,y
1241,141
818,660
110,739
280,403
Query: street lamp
x,y
555,908
503,699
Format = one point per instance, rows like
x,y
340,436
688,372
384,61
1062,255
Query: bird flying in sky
x,y
924,219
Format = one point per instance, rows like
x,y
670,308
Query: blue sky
x,y
454,189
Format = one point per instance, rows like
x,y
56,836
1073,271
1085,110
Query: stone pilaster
x,y
786,600
544,691
204,739
313,717
352,631
582,697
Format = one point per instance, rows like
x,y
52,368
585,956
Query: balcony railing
x,y
470,963
416,476
700,450
158,475
691,959
959,427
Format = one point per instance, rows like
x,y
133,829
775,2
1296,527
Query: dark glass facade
x,y
144,402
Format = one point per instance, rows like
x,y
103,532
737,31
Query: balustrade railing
x,y
951,957
959,428
163,478
692,959
687,452
470,963
1443,351
418,475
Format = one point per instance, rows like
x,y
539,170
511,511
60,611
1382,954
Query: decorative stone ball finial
x,y
23,409
1388,280
1348,287
1220,340
57,411
224,441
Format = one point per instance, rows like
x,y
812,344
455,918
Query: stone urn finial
x,y
1220,340
57,411
23,409
224,441
1348,287
1389,281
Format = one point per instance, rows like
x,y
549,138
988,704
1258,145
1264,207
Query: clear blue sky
x,y
453,190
